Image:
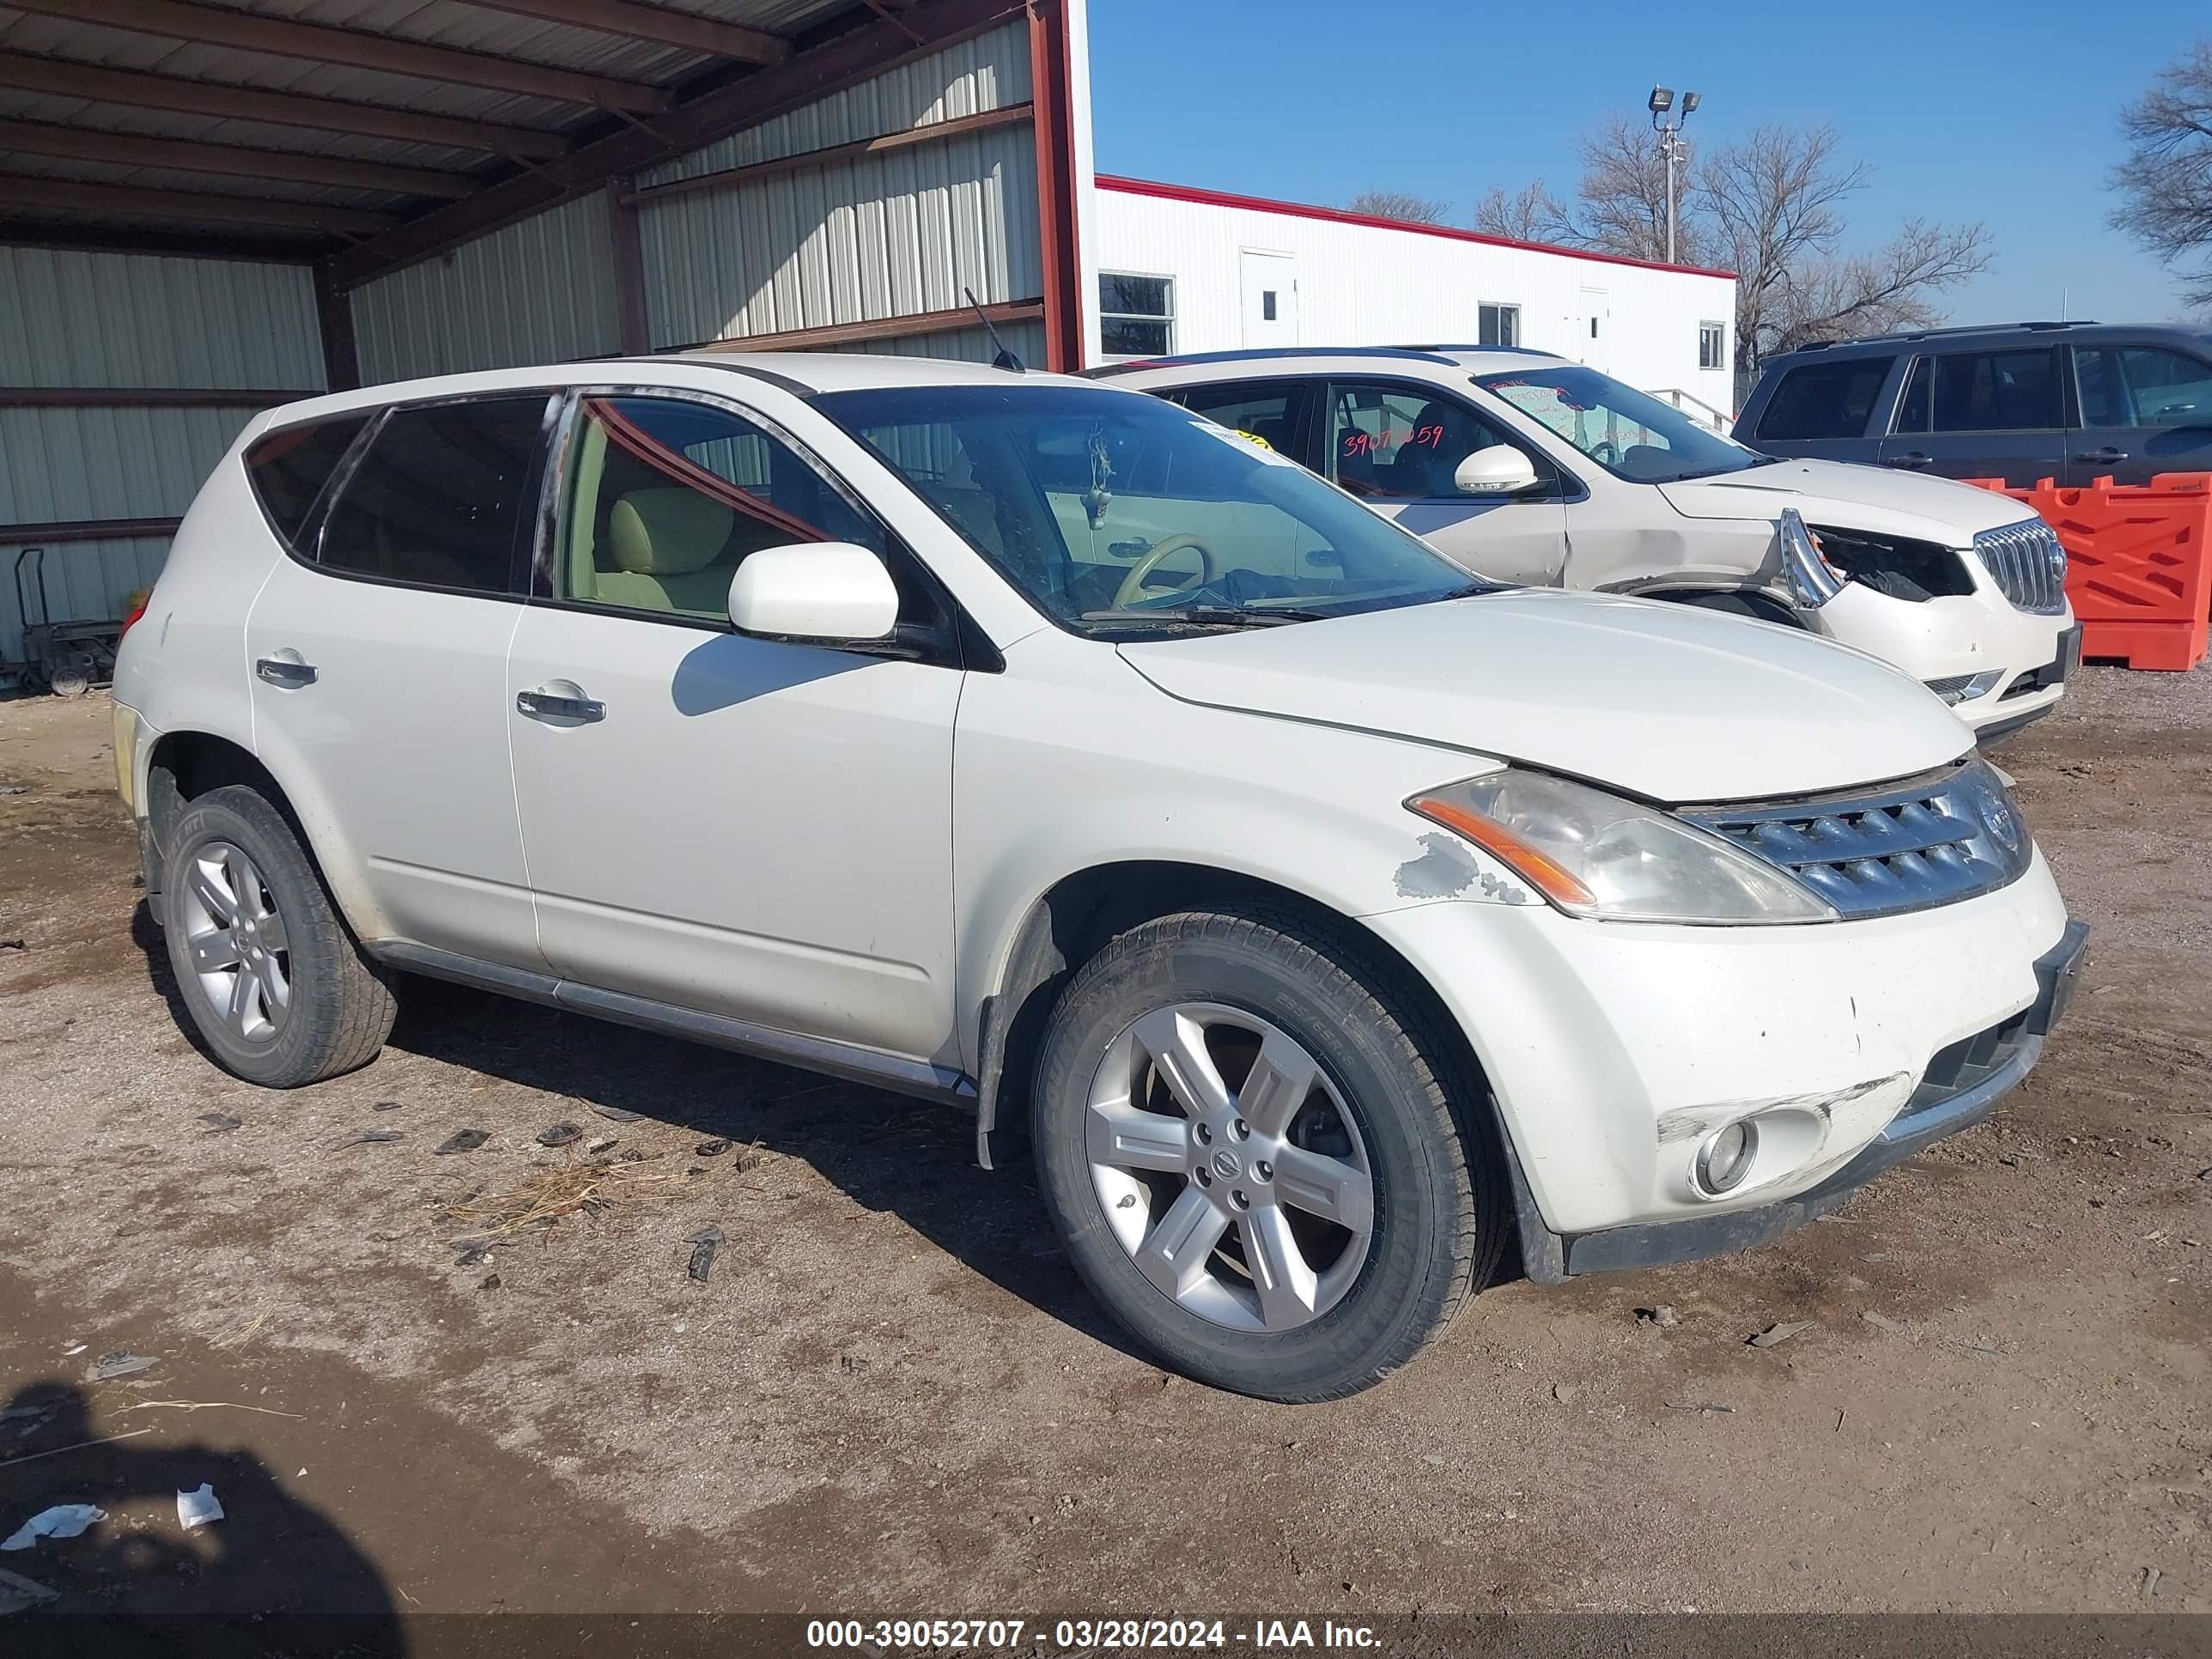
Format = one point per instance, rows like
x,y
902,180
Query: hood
x,y
1874,498
1666,701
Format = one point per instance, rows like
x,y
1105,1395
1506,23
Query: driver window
x,y
1399,443
667,497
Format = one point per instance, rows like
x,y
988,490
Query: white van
x,y
1526,468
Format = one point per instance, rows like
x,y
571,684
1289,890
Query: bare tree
x,y
1770,207
1528,215
1399,204
2165,182
1622,198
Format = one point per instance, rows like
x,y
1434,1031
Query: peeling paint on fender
x,y
1447,869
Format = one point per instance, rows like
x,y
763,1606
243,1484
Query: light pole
x,y
1670,145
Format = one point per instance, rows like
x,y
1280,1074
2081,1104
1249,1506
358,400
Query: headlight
x,y
1595,854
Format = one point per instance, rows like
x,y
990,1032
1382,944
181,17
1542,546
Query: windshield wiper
x,y
1204,616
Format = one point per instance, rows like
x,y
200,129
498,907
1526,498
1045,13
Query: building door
x,y
1593,347
1270,299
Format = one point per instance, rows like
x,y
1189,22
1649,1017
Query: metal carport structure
x,y
207,206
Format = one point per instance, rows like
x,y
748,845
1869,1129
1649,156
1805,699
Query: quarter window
x,y
2142,386
1712,345
1825,400
1136,315
1497,325
1399,443
290,467
667,497
440,497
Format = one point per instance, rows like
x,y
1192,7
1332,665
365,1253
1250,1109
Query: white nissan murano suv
x,y
1326,919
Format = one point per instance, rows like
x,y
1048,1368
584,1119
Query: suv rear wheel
x,y
1249,1143
271,978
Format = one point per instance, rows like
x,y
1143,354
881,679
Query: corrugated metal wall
x,y
71,319
866,239
538,292
872,237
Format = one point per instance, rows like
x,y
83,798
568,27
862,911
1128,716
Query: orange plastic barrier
x,y
2138,563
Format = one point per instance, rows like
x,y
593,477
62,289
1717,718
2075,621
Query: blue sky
x,y
1967,109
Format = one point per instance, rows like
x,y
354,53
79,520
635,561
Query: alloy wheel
x,y
1229,1167
237,941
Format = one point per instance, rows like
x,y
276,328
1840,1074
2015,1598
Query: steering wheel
x,y
1132,585
1605,453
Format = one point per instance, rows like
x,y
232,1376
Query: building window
x,y
1136,315
1498,325
1712,345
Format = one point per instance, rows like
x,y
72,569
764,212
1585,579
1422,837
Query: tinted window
x,y
1995,391
666,498
1402,443
1912,407
289,468
2142,386
1497,325
1270,412
441,496
1826,400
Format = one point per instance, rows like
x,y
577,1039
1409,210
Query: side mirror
x,y
1499,469
831,591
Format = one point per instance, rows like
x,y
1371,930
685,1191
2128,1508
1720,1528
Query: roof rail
x,y
1266,354
1511,350
2040,327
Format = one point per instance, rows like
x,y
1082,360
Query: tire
x,y
316,1006
1755,606
1392,1100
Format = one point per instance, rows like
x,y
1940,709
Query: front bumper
x,y
1961,1087
1958,637
1614,1050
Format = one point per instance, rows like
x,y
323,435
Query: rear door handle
x,y
2107,453
1911,458
547,704
287,668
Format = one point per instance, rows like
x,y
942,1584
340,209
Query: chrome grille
x,y
1935,841
2027,562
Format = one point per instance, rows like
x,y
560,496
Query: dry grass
x,y
577,1189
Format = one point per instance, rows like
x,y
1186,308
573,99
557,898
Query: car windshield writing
x,y
1093,501
1628,433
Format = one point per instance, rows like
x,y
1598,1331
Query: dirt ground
x,y
891,1396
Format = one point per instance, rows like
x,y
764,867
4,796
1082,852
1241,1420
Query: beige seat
x,y
667,547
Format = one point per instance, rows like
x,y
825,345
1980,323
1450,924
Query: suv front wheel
x,y
270,977
1250,1143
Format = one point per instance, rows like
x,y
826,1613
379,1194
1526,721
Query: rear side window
x,y
1826,400
1268,410
290,467
1982,391
440,497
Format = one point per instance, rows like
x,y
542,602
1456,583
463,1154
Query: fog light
x,y
1726,1157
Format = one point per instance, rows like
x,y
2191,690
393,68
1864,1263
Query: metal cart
x,y
65,658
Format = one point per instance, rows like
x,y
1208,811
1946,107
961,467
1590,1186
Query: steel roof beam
x,y
656,23
135,90
128,201
227,161
319,43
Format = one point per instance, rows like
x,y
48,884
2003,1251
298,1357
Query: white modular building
x,y
1184,269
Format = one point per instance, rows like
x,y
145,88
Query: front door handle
x,y
547,703
286,668
1911,458
2107,453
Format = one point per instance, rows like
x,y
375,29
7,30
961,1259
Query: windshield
x,y
1114,511
1630,435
